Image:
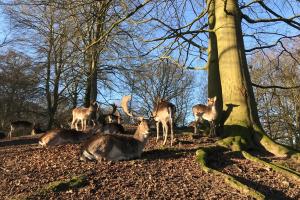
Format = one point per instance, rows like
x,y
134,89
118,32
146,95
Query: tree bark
x,y
241,122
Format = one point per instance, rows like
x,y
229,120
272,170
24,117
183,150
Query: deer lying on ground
x,y
163,113
65,136
118,147
17,126
84,115
207,112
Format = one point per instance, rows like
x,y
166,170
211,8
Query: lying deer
x,y
17,126
65,136
163,113
118,147
84,115
207,112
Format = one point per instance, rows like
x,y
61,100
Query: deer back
x,y
117,146
163,110
63,136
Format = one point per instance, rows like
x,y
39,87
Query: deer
x,y
113,117
207,112
84,115
116,147
163,113
16,126
62,136
111,123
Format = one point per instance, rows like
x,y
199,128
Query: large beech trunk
x,y
228,69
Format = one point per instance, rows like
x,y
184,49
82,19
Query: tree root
x,y
235,143
231,181
240,138
284,170
273,147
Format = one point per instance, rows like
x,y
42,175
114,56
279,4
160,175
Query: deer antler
x,y
124,104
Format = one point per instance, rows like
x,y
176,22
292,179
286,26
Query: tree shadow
x,y
270,193
218,158
226,113
165,154
20,141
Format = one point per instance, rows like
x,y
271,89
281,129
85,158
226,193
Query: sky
x,y
201,75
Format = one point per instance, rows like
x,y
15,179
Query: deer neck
x,y
212,110
140,136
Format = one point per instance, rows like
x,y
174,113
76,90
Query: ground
x,y
28,171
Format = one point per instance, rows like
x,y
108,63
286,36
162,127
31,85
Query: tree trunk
x,y
214,83
241,123
93,95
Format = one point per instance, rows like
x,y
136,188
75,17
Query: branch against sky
x,y
179,29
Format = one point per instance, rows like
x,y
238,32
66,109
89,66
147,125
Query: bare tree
x,y
18,88
164,80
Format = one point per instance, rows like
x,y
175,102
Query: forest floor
x,y
28,171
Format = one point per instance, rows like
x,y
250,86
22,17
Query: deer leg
x,y
196,124
10,133
73,122
83,124
172,131
76,124
212,129
157,131
166,128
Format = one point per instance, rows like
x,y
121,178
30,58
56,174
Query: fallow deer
x,y
113,117
207,112
18,126
163,113
118,147
111,123
84,115
62,136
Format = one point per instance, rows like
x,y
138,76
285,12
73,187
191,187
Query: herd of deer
x,y
106,138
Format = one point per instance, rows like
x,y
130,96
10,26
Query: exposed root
x,y
241,137
235,143
273,147
284,170
231,181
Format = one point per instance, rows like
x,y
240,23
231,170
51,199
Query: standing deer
x,y
65,136
18,126
163,113
118,147
207,112
84,115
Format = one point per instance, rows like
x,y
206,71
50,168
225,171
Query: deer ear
x,y
215,98
140,118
